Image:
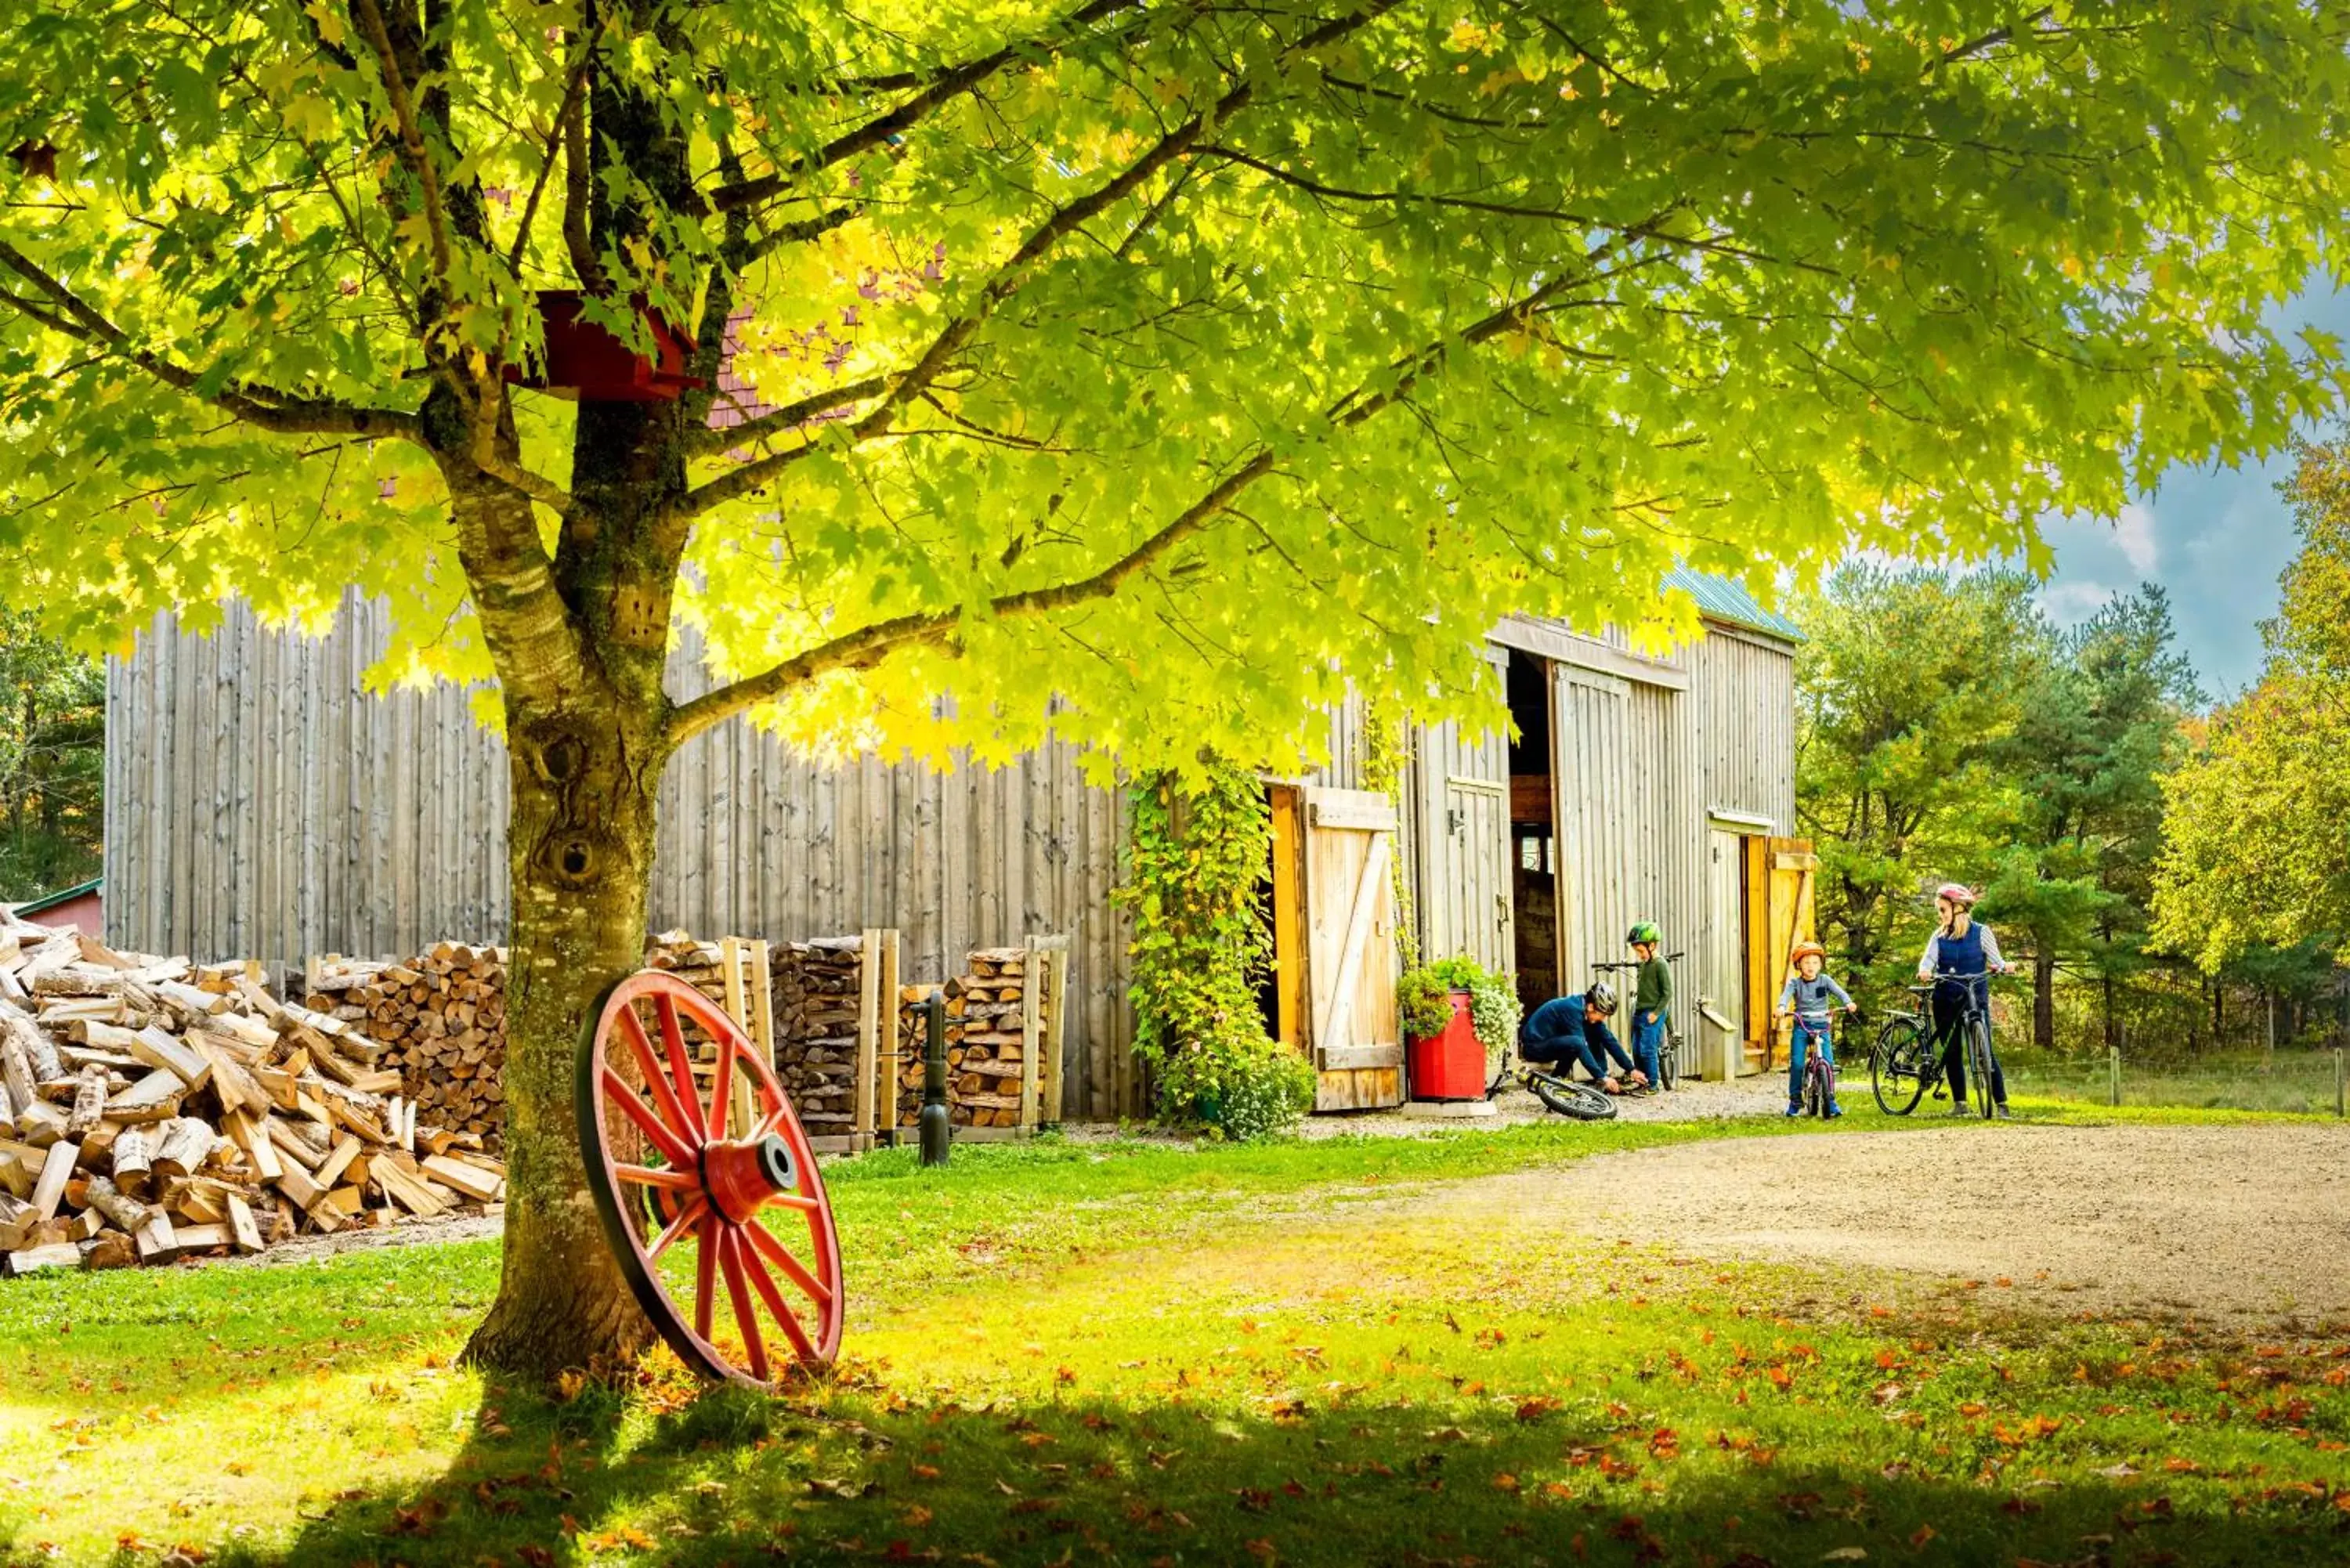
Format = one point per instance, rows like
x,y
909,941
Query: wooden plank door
x,y
1461,790
1351,950
1780,901
1723,1006
1590,762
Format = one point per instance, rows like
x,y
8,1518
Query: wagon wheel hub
x,y
742,1176
710,1197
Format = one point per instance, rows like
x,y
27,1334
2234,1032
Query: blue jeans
x,y
1805,1032
1648,1039
1562,1051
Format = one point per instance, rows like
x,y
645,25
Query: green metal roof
x,y
1719,598
51,900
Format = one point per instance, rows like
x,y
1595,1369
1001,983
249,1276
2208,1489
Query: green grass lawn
x,y
2290,1080
1324,1351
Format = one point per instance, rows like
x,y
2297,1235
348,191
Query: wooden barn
x,y
261,804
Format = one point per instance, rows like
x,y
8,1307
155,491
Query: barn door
x,y
1351,950
1590,763
1779,914
1462,791
1723,1009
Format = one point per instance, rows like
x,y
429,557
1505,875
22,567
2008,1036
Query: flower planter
x,y
1448,1065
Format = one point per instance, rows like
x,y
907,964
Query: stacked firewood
x,y
440,1017
818,999
985,1044
151,1109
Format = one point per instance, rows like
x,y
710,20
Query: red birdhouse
x,y
586,361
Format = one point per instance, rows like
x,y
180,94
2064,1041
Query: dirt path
x,y
2230,1223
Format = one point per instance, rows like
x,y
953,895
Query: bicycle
x,y
1557,1092
1669,1049
1905,1061
1819,1092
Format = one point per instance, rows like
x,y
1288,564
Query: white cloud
x,y
2133,536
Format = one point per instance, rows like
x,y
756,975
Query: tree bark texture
x,y
584,779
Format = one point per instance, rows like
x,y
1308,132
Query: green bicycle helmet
x,y
1646,932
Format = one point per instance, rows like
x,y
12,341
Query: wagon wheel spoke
x,y
721,1090
687,1217
798,1202
730,1260
763,1242
671,1143
652,1176
764,1284
680,1064
664,1092
705,1269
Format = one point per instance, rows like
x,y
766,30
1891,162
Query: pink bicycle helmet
x,y
1957,893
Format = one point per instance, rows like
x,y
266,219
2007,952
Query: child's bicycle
x,y
1819,1096
1559,1094
1669,1049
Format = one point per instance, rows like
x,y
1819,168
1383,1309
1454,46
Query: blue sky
x,y
2215,539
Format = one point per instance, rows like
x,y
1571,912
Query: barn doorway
x,y
1533,831
1281,899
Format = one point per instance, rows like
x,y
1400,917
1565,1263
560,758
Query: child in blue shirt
x,y
1804,998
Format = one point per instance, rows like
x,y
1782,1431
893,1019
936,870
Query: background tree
x,y
1909,686
2255,851
1137,373
2096,733
52,761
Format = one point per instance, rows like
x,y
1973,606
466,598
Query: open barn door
x,y
1351,950
1780,899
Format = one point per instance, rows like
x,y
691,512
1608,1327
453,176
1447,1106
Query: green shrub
x,y
1199,944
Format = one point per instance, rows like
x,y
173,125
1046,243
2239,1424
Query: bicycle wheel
x,y
1584,1104
1900,1066
1979,1050
1669,1062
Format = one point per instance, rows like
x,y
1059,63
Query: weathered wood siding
x,y
1457,817
262,805
1744,688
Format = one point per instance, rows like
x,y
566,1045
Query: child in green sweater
x,y
1652,1000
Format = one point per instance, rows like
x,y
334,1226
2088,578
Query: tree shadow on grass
x,y
844,1475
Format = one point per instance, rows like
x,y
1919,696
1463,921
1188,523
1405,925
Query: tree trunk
x,y
580,857
2044,996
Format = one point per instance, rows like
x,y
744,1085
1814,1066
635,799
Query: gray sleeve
x,y
1926,959
1990,949
1787,991
1839,990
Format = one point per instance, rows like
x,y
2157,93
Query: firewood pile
x,y
985,1042
153,1108
441,1018
818,999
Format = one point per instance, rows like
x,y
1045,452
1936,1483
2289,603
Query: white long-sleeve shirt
x,y
1992,960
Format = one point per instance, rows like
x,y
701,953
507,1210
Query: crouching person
x,y
1571,1029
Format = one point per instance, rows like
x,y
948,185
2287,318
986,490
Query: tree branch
x,y
418,156
868,646
939,89
775,422
575,93
1008,277
282,413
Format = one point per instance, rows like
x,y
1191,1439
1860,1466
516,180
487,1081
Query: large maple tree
x,y
1139,370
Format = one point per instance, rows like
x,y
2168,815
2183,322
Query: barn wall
x,y
1745,688
260,804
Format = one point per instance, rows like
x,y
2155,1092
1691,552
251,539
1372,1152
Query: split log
x,y
90,1103
121,1211
185,1144
133,1159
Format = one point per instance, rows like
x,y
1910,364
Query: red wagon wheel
x,y
690,1224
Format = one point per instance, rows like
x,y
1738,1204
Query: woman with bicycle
x,y
1959,957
